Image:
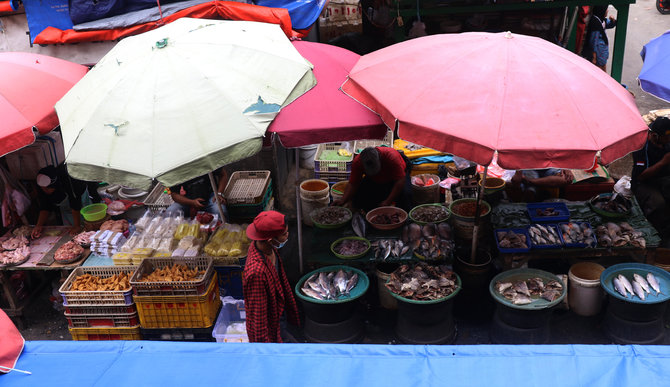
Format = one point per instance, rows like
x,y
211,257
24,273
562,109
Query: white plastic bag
x,y
622,187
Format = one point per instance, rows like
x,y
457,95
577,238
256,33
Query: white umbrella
x,y
180,101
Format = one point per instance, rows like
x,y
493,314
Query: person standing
x,y
379,177
268,297
60,192
596,47
650,180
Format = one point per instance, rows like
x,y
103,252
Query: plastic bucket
x,y
386,300
306,155
463,224
314,189
308,205
426,194
585,295
340,187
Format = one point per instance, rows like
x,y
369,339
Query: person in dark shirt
x,y
197,195
650,179
379,177
60,192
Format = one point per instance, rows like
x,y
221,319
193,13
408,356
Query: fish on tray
x,y
622,234
432,241
542,235
640,286
578,233
422,281
333,285
350,247
511,240
524,292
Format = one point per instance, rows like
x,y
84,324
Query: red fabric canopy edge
x,y
228,10
11,342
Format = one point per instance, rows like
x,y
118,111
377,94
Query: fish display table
x,y
515,215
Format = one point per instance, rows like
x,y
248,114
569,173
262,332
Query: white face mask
x,y
281,244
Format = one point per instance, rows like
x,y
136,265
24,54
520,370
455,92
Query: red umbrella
x,y
324,113
472,94
30,86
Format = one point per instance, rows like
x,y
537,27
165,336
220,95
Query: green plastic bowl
x,y
524,274
330,226
94,212
427,302
358,290
446,211
332,248
606,214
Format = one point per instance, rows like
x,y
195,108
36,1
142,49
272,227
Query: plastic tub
x,y
585,295
383,272
309,205
428,193
337,190
314,189
94,212
465,224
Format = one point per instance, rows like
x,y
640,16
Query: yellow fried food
x,y
176,272
93,283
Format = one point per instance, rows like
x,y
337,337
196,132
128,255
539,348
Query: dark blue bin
x,y
230,281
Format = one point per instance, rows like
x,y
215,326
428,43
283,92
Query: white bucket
x,y
386,300
585,294
306,155
308,205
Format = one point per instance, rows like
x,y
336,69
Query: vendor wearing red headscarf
x,y
267,293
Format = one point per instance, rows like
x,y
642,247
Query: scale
x,y
467,188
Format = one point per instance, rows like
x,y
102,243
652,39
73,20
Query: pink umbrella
x,y
472,94
30,86
324,113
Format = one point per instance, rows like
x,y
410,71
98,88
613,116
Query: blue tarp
x,y
303,12
126,363
46,13
82,11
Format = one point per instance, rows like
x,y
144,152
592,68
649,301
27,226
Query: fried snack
x,y
93,283
174,273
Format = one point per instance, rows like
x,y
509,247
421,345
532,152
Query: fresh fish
x,y
643,282
308,291
521,299
351,283
358,224
653,282
414,232
502,286
444,230
522,288
314,285
324,283
429,230
387,250
340,281
638,290
619,287
626,283
551,295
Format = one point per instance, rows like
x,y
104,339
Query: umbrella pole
x,y
212,181
298,205
475,230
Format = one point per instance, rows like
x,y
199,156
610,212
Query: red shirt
x,y
267,294
392,167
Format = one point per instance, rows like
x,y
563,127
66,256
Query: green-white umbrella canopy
x,y
180,101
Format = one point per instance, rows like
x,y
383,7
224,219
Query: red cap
x,y
267,225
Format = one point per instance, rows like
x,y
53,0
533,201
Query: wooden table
x,y
42,251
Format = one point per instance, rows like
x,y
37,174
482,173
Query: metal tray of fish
x,y
548,212
577,234
537,299
628,271
510,237
544,236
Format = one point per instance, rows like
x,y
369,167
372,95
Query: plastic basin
x,y
94,212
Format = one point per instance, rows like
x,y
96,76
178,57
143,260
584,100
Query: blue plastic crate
x,y
249,211
580,245
518,231
561,208
230,281
549,246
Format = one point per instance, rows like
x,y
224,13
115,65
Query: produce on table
x,y
15,242
84,238
69,251
23,231
94,283
430,214
331,215
15,257
350,247
543,235
115,225
512,240
229,241
618,235
432,241
577,233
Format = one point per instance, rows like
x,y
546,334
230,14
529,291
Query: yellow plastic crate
x,y
180,311
399,144
90,334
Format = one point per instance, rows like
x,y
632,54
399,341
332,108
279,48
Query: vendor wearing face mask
x,y
267,293
59,192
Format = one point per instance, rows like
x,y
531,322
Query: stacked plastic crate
x,y
247,194
332,161
177,310
98,314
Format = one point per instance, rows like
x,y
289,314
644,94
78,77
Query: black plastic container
x,y
328,313
525,319
474,302
349,331
636,312
622,331
503,333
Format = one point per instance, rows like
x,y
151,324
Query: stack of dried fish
x,y
430,214
385,248
543,235
617,235
422,282
524,292
639,287
578,233
330,285
432,241
511,240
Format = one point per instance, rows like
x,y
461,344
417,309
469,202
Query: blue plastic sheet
x,y
124,363
303,12
41,14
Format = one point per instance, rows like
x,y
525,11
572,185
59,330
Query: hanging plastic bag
x,y
622,187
